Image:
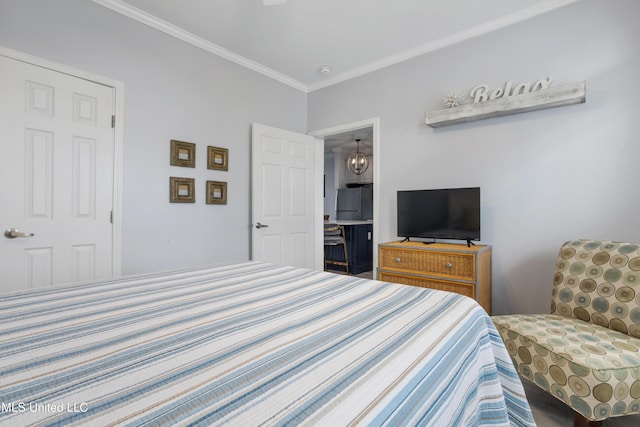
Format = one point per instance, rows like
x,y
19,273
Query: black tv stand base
x,y
407,239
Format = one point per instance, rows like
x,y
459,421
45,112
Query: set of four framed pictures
x,y
182,190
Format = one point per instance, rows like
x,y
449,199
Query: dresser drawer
x,y
455,265
441,285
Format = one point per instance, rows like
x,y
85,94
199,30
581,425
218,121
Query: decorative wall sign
x,y
182,190
521,98
218,158
216,193
183,154
481,93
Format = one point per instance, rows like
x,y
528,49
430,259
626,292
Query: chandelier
x,y
357,162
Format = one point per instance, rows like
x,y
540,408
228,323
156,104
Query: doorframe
x,y
118,135
374,123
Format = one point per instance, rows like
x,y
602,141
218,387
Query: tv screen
x,y
452,213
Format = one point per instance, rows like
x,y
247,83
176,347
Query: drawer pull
x,y
397,259
449,265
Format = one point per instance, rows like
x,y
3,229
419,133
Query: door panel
x,y
39,173
56,179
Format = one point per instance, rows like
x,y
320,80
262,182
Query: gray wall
x,y
172,91
547,176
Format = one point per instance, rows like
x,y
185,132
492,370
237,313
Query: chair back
x,y
333,234
599,282
331,229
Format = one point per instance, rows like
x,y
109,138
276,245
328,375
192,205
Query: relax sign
x,y
510,99
481,93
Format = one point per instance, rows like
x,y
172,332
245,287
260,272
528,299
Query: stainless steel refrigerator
x,y
355,203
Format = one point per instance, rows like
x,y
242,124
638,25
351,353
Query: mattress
x,y
252,344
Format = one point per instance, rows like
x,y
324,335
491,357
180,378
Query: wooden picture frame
x,y
183,154
217,158
182,190
216,193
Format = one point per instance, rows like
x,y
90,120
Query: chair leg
x,y
344,247
341,267
346,257
579,420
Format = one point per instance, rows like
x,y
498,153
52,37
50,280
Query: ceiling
x,y
291,42
347,142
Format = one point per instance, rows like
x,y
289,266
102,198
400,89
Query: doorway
x,y
339,142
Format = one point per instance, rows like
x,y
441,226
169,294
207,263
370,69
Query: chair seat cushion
x,y
593,369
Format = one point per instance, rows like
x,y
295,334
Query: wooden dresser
x,y
443,266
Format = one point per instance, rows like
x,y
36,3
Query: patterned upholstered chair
x,y
587,351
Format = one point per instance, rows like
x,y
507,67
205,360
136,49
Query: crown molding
x,y
461,36
539,8
172,30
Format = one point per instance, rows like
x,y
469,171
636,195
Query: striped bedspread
x,y
252,344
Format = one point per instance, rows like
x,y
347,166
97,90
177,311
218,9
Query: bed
x,y
252,344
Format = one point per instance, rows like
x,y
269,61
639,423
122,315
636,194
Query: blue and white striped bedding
x,y
252,344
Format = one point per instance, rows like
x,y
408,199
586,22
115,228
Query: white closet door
x,y
56,177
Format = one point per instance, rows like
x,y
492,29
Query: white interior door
x,y
285,191
56,177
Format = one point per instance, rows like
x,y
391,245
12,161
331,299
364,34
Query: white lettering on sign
x,y
481,93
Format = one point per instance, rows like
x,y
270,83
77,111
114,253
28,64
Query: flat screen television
x,y
452,213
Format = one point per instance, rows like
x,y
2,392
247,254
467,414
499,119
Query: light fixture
x,y
357,162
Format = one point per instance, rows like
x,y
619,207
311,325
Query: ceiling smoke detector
x,y
325,70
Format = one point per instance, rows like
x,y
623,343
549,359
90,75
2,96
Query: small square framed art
x,y
183,154
217,158
216,193
182,190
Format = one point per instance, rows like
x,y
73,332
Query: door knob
x,y
258,225
12,233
